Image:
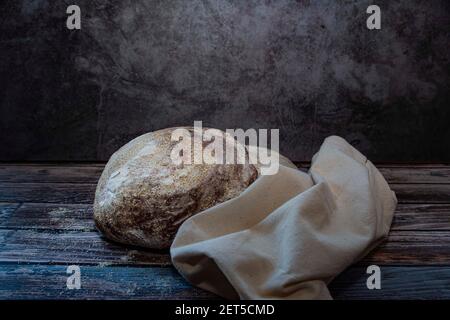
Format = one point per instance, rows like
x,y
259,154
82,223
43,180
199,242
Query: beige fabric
x,y
288,235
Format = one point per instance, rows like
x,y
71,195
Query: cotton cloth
x,y
289,234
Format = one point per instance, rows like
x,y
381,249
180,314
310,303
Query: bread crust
x,y
142,197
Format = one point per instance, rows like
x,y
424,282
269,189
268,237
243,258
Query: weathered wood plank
x,y
413,247
424,175
59,230
421,217
49,282
72,247
58,242
6,209
396,283
51,173
422,193
90,173
97,282
84,193
47,192
307,164
32,246
48,216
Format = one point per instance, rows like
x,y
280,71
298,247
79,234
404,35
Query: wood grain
x,y
32,246
49,216
396,283
47,192
80,193
97,282
6,209
422,193
72,247
49,282
90,173
422,175
66,173
46,223
73,217
413,248
419,216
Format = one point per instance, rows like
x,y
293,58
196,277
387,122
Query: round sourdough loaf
x,y
143,197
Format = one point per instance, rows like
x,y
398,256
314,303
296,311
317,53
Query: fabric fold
x,y
288,235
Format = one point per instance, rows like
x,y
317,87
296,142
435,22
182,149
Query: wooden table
x,y
46,225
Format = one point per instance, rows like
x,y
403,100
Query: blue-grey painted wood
x,y
39,240
83,193
417,282
31,281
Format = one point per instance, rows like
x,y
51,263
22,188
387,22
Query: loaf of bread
x,y
143,197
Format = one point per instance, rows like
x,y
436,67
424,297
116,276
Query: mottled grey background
x,y
310,68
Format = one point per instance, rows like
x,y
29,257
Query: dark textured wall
x,y
310,68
